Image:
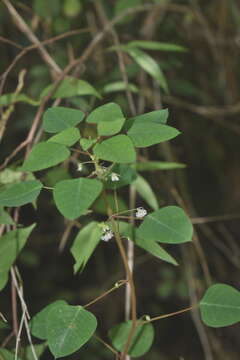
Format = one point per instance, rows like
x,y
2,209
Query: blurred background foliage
x,y
204,104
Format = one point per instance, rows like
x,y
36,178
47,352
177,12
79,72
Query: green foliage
x,y
66,137
147,134
59,118
84,244
117,149
155,249
74,197
126,176
6,354
167,225
155,45
220,306
11,245
158,165
146,192
142,340
117,86
66,328
87,143
21,193
45,155
109,119
5,218
147,63
38,324
69,87
69,328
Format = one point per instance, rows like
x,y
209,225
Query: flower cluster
x,y
140,213
114,176
107,233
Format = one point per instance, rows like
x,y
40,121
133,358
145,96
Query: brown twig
x,y
116,286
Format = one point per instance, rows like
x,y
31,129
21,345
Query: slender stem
x,y
14,308
169,315
131,284
117,286
107,345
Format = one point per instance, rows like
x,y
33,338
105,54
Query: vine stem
x,y
132,288
117,286
169,315
129,277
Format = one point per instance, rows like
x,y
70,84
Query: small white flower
x,y
141,212
79,167
105,228
115,177
107,235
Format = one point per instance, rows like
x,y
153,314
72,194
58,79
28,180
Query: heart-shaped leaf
x,y
167,225
69,328
84,244
59,118
156,250
66,137
38,324
71,86
220,306
45,155
117,149
149,133
21,193
10,246
145,191
74,197
109,119
156,116
142,340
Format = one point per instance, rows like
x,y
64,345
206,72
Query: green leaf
x,y
69,87
3,279
66,137
74,197
45,155
116,149
156,45
12,98
158,165
118,86
147,134
10,246
100,205
147,63
220,306
146,192
7,355
68,329
167,225
142,340
87,143
21,193
47,9
84,244
156,250
38,324
126,176
59,118
156,116
39,349
5,218
109,119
